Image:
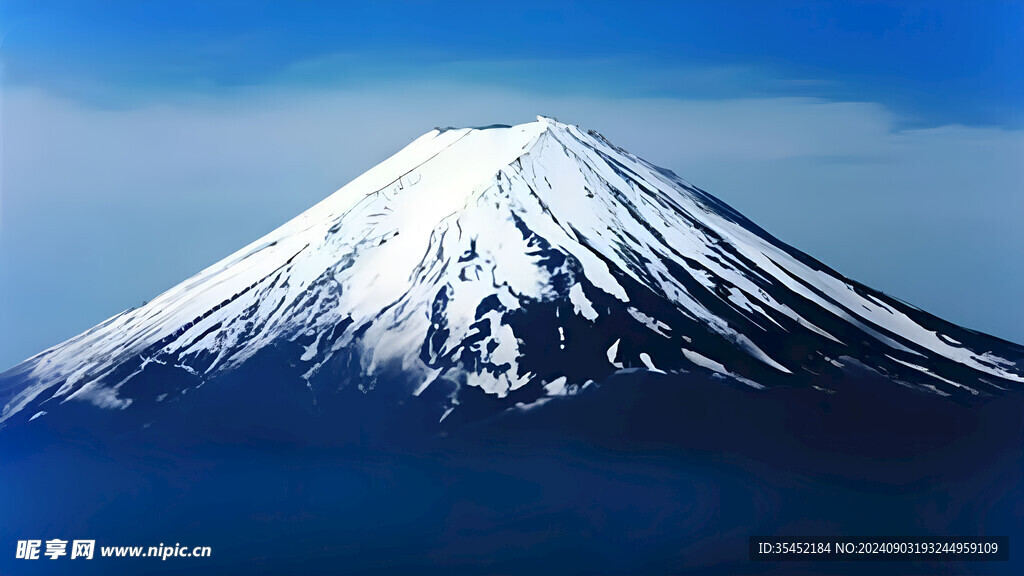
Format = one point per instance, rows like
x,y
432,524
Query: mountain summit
x,y
508,265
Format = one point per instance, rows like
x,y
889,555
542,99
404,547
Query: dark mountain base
x,y
645,474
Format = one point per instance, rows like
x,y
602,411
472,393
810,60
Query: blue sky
x,y
143,141
935,62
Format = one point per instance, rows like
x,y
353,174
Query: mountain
x,y
500,267
512,350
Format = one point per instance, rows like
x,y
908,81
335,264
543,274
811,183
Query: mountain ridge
x,y
528,262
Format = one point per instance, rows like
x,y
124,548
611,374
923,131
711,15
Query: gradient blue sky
x,y
142,141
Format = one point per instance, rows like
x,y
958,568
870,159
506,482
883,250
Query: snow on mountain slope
x,y
526,261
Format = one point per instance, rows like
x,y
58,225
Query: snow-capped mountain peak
x,y
523,261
